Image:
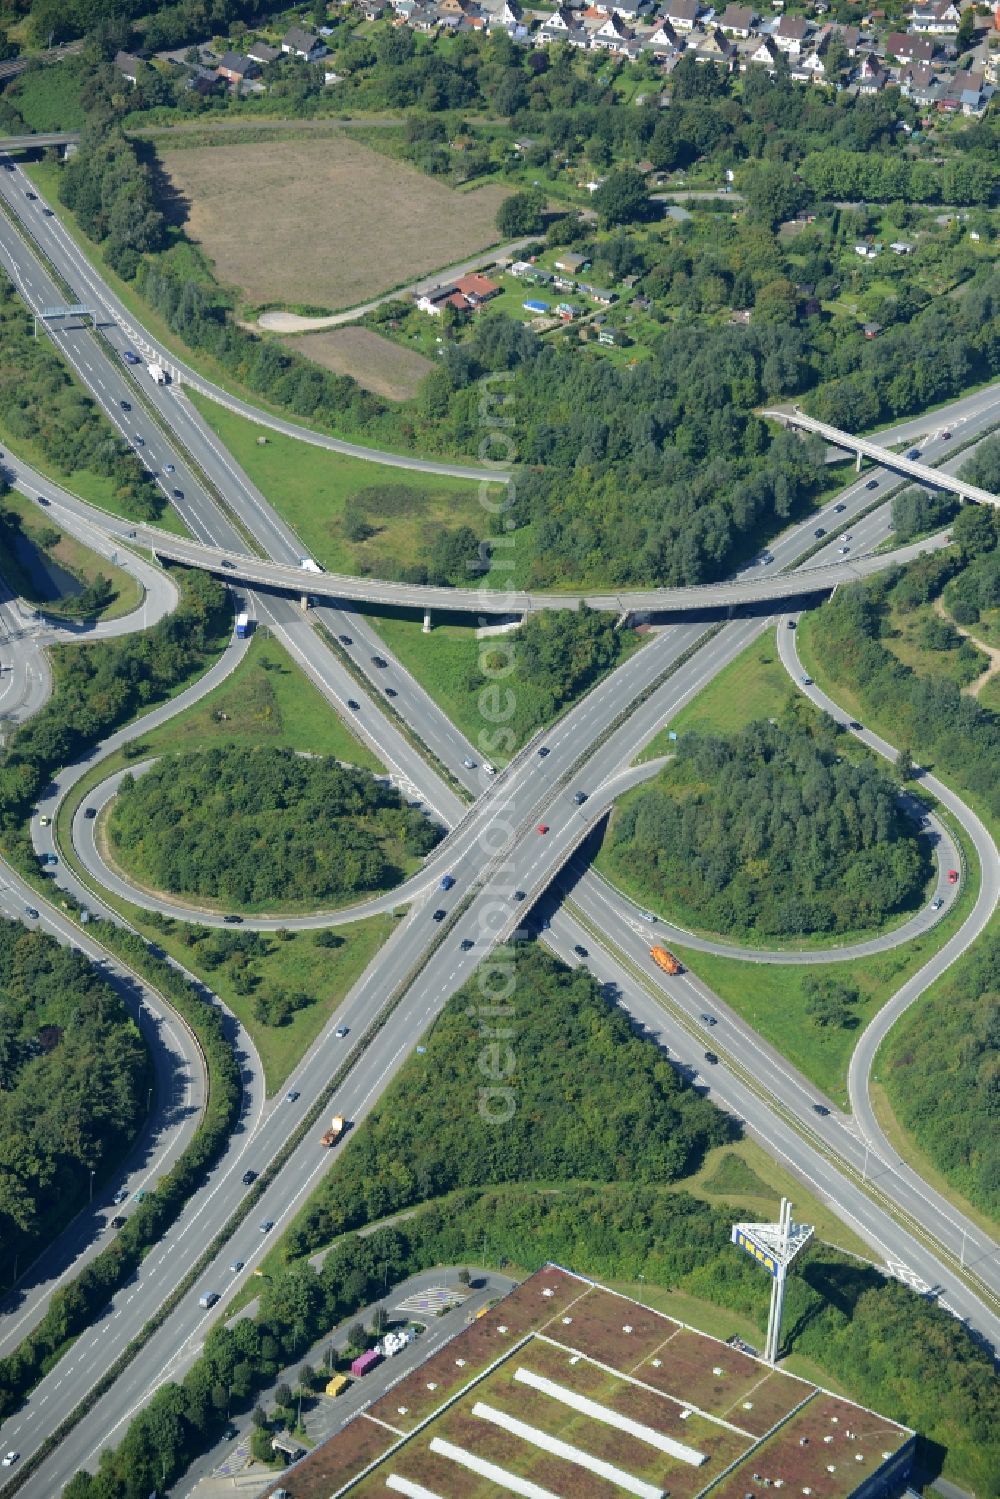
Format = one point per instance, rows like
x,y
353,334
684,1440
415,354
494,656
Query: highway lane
x,y
25,676
71,263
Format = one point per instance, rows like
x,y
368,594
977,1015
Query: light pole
x,y
91,1184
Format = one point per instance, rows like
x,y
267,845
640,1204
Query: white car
x,y
10,1458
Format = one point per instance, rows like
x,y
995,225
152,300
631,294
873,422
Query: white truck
x,y
309,566
156,373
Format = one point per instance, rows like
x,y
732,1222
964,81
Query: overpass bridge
x,y
238,568
864,447
15,65
38,142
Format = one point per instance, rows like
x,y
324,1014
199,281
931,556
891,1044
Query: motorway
x,y
496,851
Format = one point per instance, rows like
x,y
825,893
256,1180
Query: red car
x,y
543,827
953,877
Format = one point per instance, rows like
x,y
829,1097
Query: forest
x,y
772,832
297,828
73,1080
40,400
594,1101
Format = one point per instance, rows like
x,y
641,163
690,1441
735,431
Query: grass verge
x,y
85,565
754,686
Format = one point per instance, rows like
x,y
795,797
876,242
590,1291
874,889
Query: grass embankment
x,y
773,997
85,565
311,487
266,701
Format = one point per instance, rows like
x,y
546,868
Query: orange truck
x,y
335,1131
664,960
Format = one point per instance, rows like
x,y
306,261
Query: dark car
x,y
467,944
853,724
345,639
90,813
709,1019
354,706
580,951
711,1058
118,1222
791,624
48,213
872,484
946,437
913,453
178,494
379,661
839,509
543,752
42,500
518,894
439,914
226,563
126,405
31,912
579,797
391,692
249,1177
819,531
232,920
32,197
820,1109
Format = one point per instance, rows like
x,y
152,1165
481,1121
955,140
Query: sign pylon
x,y
774,1245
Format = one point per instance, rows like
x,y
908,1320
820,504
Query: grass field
x,y
310,487
71,554
360,222
49,98
375,362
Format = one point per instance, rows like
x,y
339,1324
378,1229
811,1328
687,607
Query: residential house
x,y
611,338
572,263
263,53
372,10
711,46
204,82
766,54
872,77
562,26
871,330
682,14
509,17
901,247
738,20
128,65
908,48
664,41
457,10
234,67
810,68
612,34
299,43
940,18
790,34
966,91
477,288
865,251
920,83
849,37
600,296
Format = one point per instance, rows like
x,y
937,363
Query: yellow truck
x,y
337,1384
335,1131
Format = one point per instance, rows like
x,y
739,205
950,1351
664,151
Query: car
x,y
120,1196
354,705
168,468
208,1299
231,566
232,920
10,1458
852,723
646,916
946,437
846,536
839,509
31,912
518,894
807,681
267,1225
447,881
139,1196
821,1109
178,494
953,877
131,358
231,1432
872,484
237,1266
792,624
579,797
48,213
467,944
345,639
489,769
90,813
249,1177
937,903
380,662
119,1221
819,531
439,914
468,762
843,551
543,752
546,924
580,950
708,1019
43,501
292,1096
543,827
126,405
32,197
913,453
44,821
340,1032
711,1058
391,692
139,441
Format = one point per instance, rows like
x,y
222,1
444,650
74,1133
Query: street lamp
x,y
91,1183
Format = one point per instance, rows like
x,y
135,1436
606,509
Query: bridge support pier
x,y
427,622
857,462
304,603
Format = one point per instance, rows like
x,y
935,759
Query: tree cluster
x,y
40,401
770,831
915,512
297,828
111,193
72,1084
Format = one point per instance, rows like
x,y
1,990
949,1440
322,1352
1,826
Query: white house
x,y
937,19
299,43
